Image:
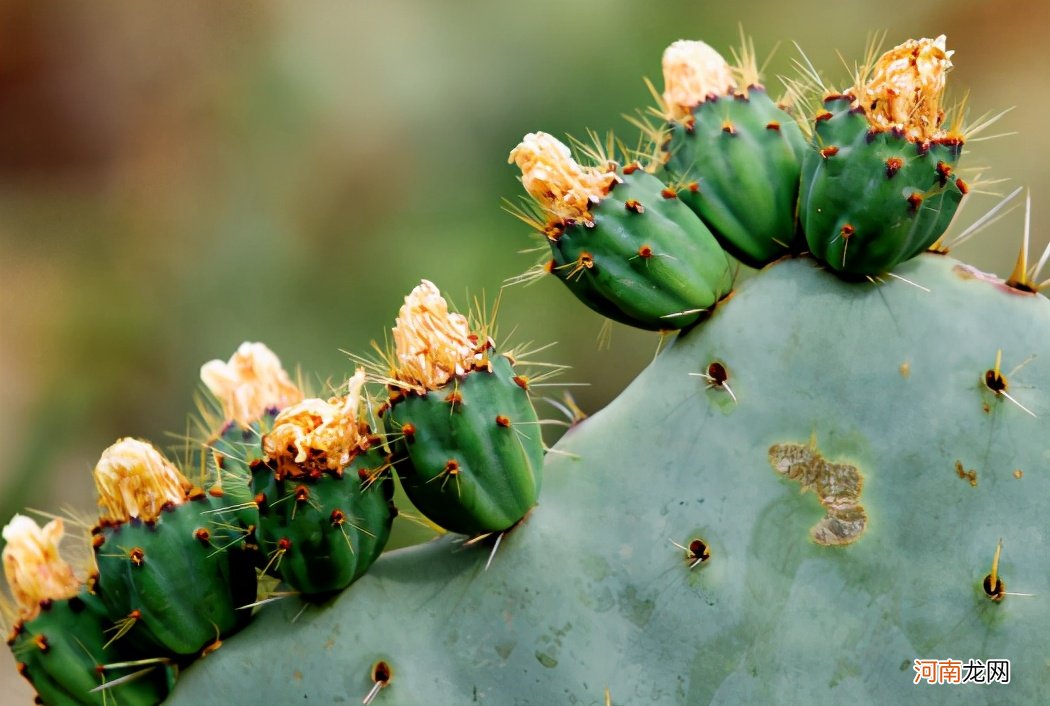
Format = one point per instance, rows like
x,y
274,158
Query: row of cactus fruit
x,y
300,489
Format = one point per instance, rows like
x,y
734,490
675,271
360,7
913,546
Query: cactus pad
x,y
590,593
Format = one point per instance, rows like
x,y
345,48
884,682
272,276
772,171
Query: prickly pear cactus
x,y
843,542
829,488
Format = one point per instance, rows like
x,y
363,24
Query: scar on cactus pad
x,y
836,485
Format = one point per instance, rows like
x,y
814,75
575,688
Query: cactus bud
x,y
319,451
596,237
906,87
741,155
880,188
61,638
462,465
692,72
148,550
134,481
318,435
252,382
35,572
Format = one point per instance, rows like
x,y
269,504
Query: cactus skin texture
x,y
589,594
185,574
738,162
871,200
59,652
470,454
646,260
327,530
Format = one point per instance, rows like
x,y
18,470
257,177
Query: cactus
x,y
819,485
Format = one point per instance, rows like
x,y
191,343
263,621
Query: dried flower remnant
x,y
431,343
34,570
317,436
693,71
252,382
135,481
564,189
906,88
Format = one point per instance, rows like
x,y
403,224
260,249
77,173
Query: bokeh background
x,y
176,178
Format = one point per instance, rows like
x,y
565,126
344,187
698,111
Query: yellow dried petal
x,y
906,88
692,72
431,343
318,435
564,188
34,569
252,382
134,481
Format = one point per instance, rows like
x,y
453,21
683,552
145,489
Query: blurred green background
x,y
176,178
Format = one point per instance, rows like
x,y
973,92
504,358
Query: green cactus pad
x,y
881,387
646,260
737,166
319,535
470,452
183,576
870,201
60,652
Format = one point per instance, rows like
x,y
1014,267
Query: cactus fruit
x,y
174,560
621,240
880,188
324,493
60,637
468,446
733,154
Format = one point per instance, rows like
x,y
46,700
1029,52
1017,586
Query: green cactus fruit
x,y
176,562
827,539
324,494
63,650
879,187
629,249
470,451
324,533
739,162
467,443
873,200
736,160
